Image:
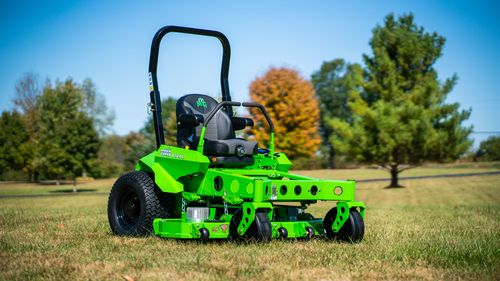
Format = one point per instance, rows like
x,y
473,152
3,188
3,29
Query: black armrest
x,y
240,123
190,120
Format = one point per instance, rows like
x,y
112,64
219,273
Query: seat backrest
x,y
219,128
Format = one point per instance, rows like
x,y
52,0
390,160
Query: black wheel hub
x,y
129,207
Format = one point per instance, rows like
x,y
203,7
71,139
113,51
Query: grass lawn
x,y
445,228
28,188
100,186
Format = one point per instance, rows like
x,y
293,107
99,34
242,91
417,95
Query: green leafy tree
x,y
291,104
14,152
332,83
110,161
67,137
59,123
489,150
400,118
169,120
113,148
136,146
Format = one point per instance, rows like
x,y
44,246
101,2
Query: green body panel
x,y
252,188
297,229
279,163
202,140
299,190
170,163
176,228
260,186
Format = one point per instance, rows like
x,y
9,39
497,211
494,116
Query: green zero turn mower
x,y
214,185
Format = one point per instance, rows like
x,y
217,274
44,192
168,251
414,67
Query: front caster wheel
x,y
353,229
310,233
204,234
283,233
260,230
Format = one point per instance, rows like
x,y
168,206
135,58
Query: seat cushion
x,y
229,147
220,139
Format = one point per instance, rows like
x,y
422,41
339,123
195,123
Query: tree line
x,y
63,130
390,110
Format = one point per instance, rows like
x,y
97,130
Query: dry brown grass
x,y
432,229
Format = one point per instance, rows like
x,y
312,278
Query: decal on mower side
x,y
151,87
168,153
222,227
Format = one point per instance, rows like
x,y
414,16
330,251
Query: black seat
x,y
220,138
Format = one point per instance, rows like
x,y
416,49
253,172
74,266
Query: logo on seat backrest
x,y
201,103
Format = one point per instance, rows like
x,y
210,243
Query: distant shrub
x,y
489,150
104,169
309,163
13,175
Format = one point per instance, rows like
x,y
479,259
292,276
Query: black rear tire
x,y
353,229
133,205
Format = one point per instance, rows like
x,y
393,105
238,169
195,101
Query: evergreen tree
x,y
293,108
400,118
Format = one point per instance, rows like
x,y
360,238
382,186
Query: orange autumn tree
x,y
293,108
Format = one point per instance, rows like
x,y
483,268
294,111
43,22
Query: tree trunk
x,y
331,156
394,177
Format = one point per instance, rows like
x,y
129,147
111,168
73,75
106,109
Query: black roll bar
x,y
153,65
221,104
264,111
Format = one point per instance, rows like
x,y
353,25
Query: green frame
x,y
262,186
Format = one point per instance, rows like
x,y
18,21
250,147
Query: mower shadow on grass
x,y
244,243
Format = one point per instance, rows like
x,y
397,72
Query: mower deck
x,y
183,229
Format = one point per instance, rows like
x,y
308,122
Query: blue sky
x,y
109,41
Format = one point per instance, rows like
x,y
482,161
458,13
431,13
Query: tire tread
x,y
141,182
